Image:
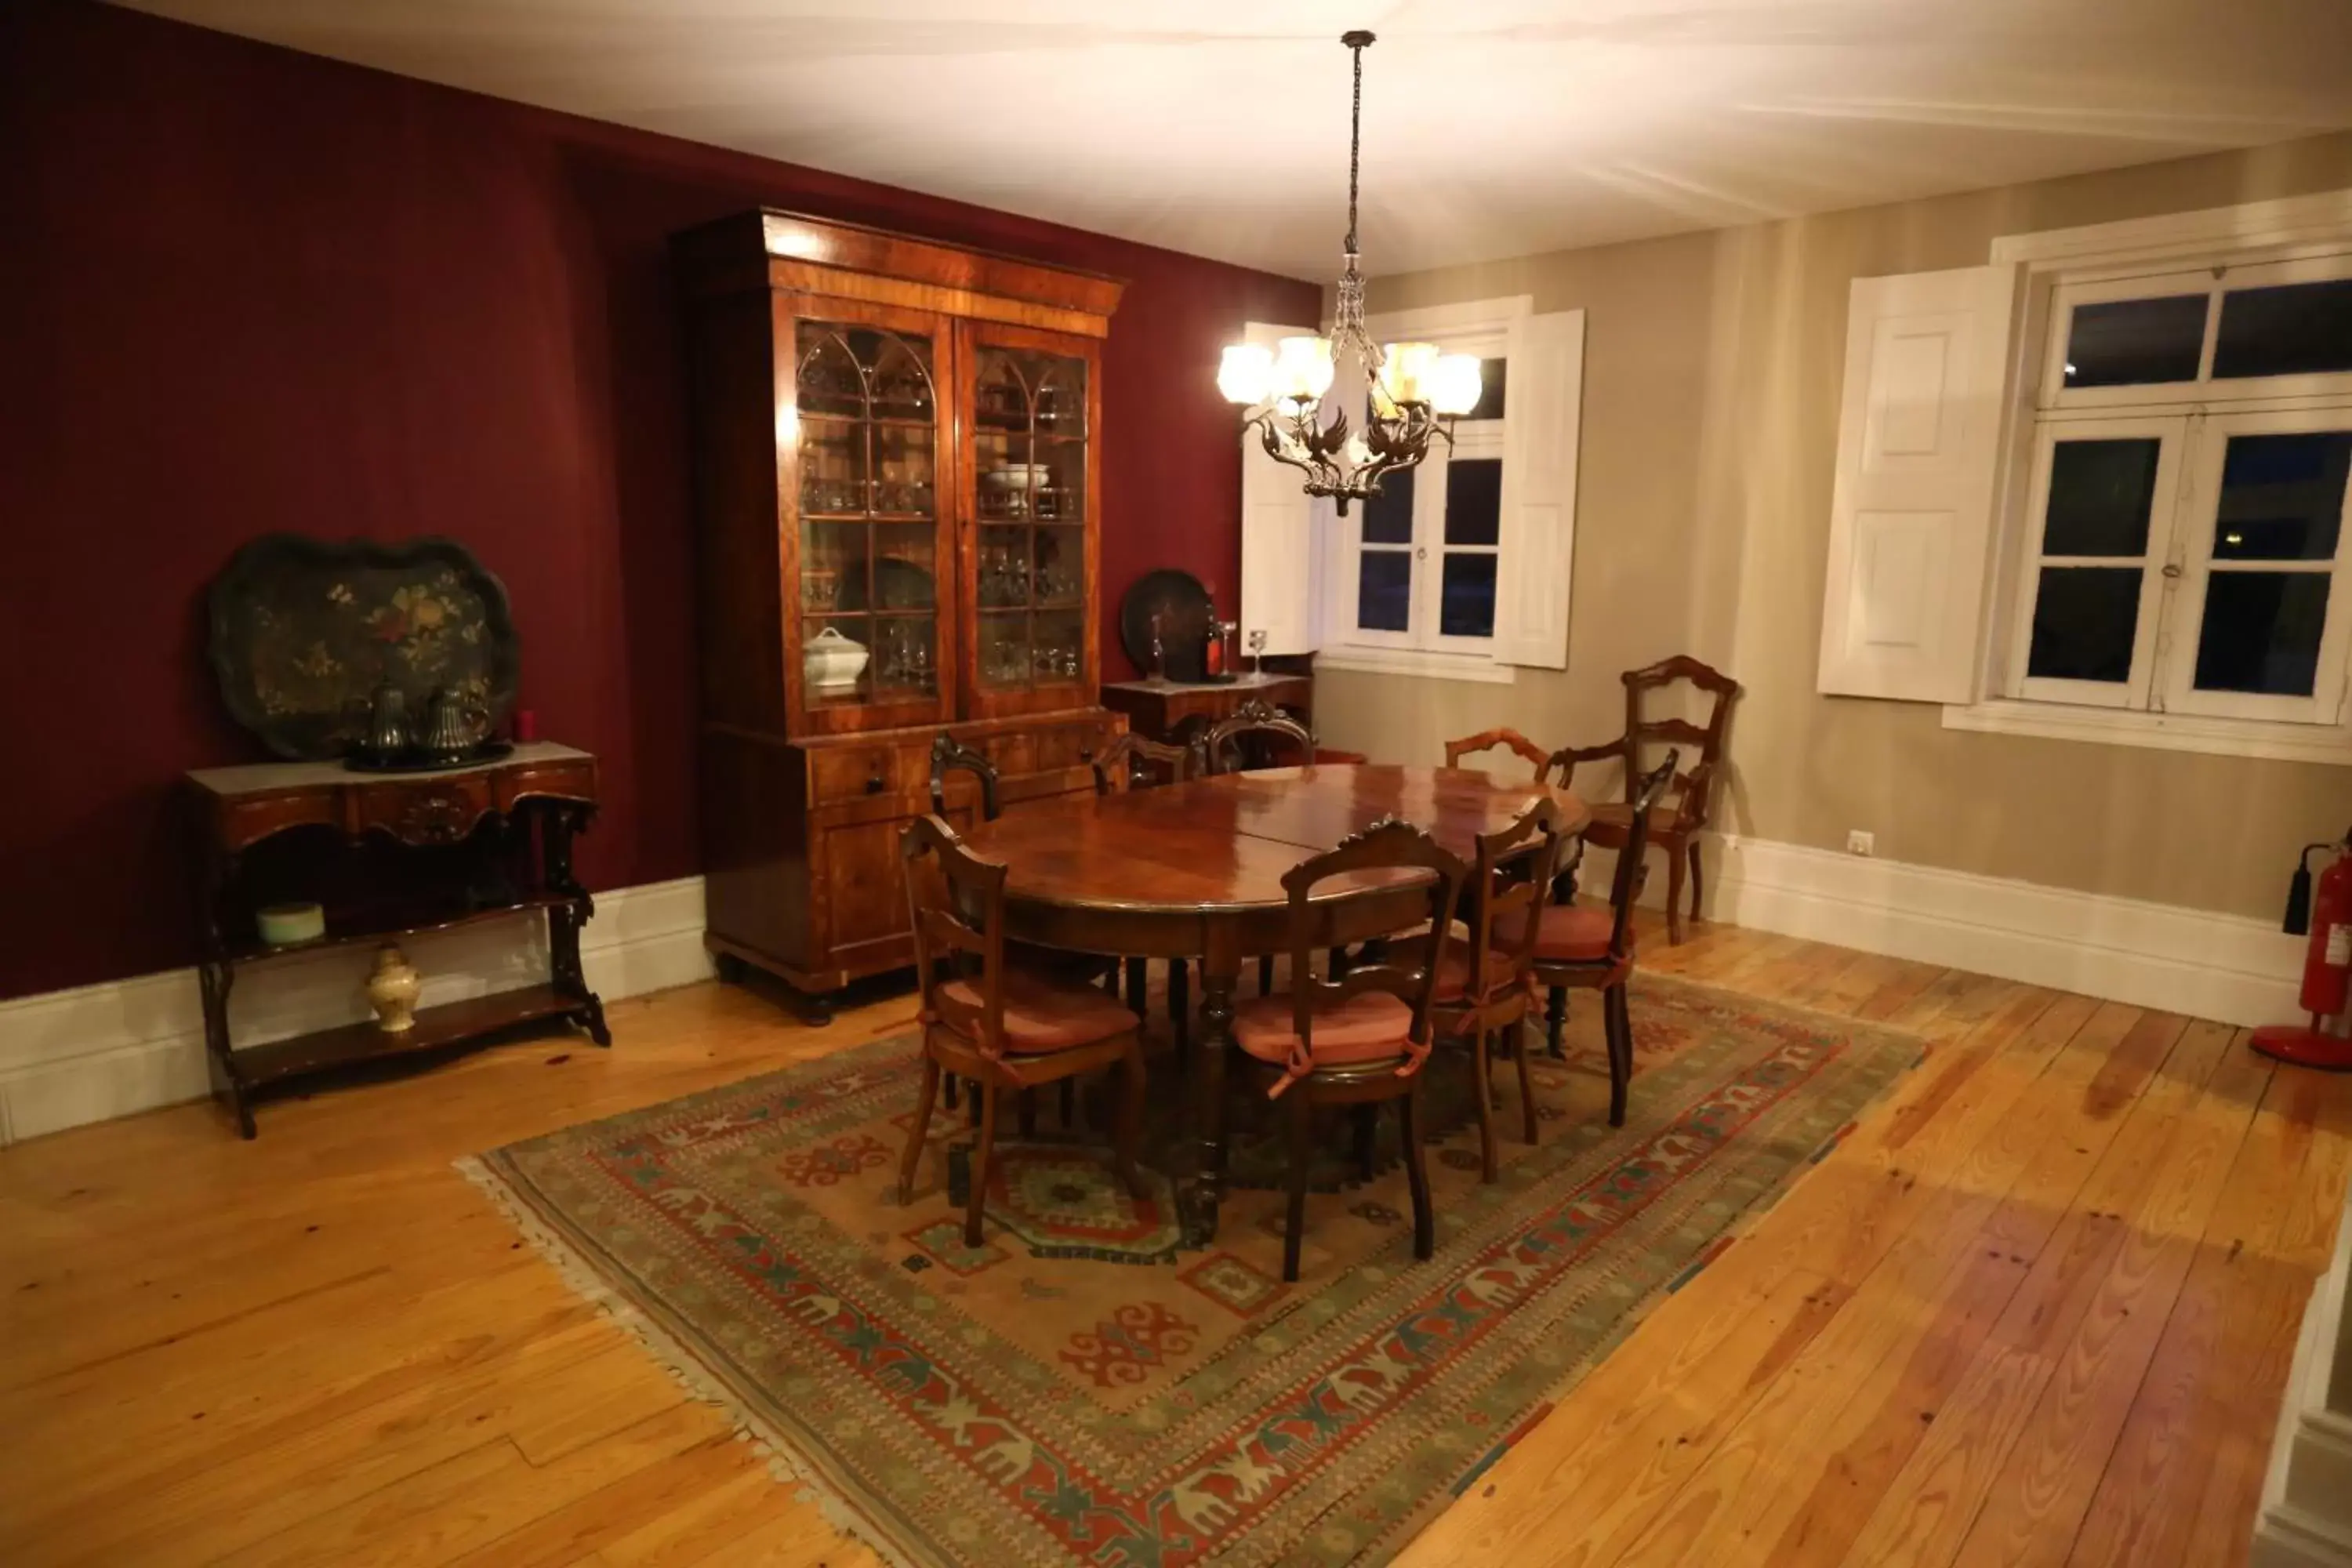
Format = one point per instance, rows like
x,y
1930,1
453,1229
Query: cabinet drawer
x,y
441,811
855,773
1068,746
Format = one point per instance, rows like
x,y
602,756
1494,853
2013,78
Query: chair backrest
x,y
1695,788
1626,885
1129,759
955,903
947,755
1510,882
1487,740
1388,845
1253,718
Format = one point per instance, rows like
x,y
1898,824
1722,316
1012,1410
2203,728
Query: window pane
x,y
1468,607
2100,493
2282,497
1384,591
2262,631
2296,328
1473,500
2129,341
1490,389
2084,621
1388,516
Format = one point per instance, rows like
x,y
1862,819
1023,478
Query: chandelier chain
x,y
1355,144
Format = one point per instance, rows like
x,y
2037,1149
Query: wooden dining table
x,y
1194,871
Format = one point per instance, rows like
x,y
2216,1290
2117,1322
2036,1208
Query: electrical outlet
x,y
1858,842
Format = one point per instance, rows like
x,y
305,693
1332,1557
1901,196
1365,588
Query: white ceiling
x,y
1493,127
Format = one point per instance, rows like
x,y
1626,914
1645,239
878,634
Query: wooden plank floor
x,y
2038,1308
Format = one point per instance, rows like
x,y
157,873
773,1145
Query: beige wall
x,y
1712,374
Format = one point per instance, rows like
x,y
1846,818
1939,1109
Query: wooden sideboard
x,y
1175,712
898,490
389,855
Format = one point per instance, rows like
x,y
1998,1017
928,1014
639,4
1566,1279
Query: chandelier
x,y
1412,390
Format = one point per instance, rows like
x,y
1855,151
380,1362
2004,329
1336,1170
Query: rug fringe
x,y
785,1464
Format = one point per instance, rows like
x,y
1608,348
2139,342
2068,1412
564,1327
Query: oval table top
x,y
1225,843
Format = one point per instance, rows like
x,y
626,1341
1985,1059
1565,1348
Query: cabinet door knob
x,y
876,785
1086,754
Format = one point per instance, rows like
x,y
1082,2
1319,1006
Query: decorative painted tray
x,y
304,630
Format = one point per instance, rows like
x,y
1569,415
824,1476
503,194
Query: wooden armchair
x,y
1253,718
1506,740
1674,826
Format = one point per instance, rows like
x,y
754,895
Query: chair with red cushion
x,y
998,1027
1593,950
1483,982
1358,1040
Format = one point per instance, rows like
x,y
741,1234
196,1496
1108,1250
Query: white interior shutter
x,y
1280,560
1911,518
1543,413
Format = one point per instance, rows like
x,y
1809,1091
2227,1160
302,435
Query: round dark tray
x,y
1186,617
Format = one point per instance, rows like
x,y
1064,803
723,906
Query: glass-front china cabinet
x,y
897,495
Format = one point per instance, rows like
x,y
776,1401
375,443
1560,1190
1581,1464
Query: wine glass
x,y
1256,651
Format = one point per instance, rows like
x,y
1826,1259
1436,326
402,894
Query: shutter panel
x,y
1280,558
1543,414
1911,518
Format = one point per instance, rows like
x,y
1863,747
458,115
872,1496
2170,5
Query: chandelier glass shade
x,y
1410,391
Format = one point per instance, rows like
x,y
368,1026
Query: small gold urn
x,y
391,989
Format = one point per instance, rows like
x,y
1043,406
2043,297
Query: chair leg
x,y
1416,1173
1527,1083
1138,986
985,1095
1619,1027
1483,1075
1129,1132
1180,1009
1302,1151
1368,1138
1556,1020
1697,876
1673,899
921,1130
1026,1113
1266,975
1069,1104
948,1090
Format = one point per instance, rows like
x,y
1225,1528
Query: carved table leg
x,y
216,975
1219,973
564,923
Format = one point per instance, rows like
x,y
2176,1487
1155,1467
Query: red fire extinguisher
x,y
2325,910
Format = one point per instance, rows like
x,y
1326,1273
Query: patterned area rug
x,y
1084,1389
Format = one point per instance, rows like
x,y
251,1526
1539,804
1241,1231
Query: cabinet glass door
x,y
1032,531
869,509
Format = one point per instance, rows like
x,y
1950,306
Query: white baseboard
x,y
2229,968
98,1051
2305,1519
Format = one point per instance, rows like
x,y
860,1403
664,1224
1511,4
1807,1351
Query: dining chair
x,y
994,1025
1503,740
1220,747
1677,832
949,755
1582,948
1127,762
1485,984
1358,1040
1219,742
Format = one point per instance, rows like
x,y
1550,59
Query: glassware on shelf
x,y
1256,652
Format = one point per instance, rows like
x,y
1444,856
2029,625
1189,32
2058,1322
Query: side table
x,y
468,844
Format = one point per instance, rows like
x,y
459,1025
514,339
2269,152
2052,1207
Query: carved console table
x,y
388,855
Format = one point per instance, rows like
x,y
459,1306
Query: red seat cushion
x,y
1042,1014
1369,1027
1572,932
1454,970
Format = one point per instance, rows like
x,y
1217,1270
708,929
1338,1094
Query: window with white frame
x,y
2184,547
1460,567
2102,489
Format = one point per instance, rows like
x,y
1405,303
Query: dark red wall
x,y
244,289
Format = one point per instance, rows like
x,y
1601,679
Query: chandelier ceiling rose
x,y
1409,391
